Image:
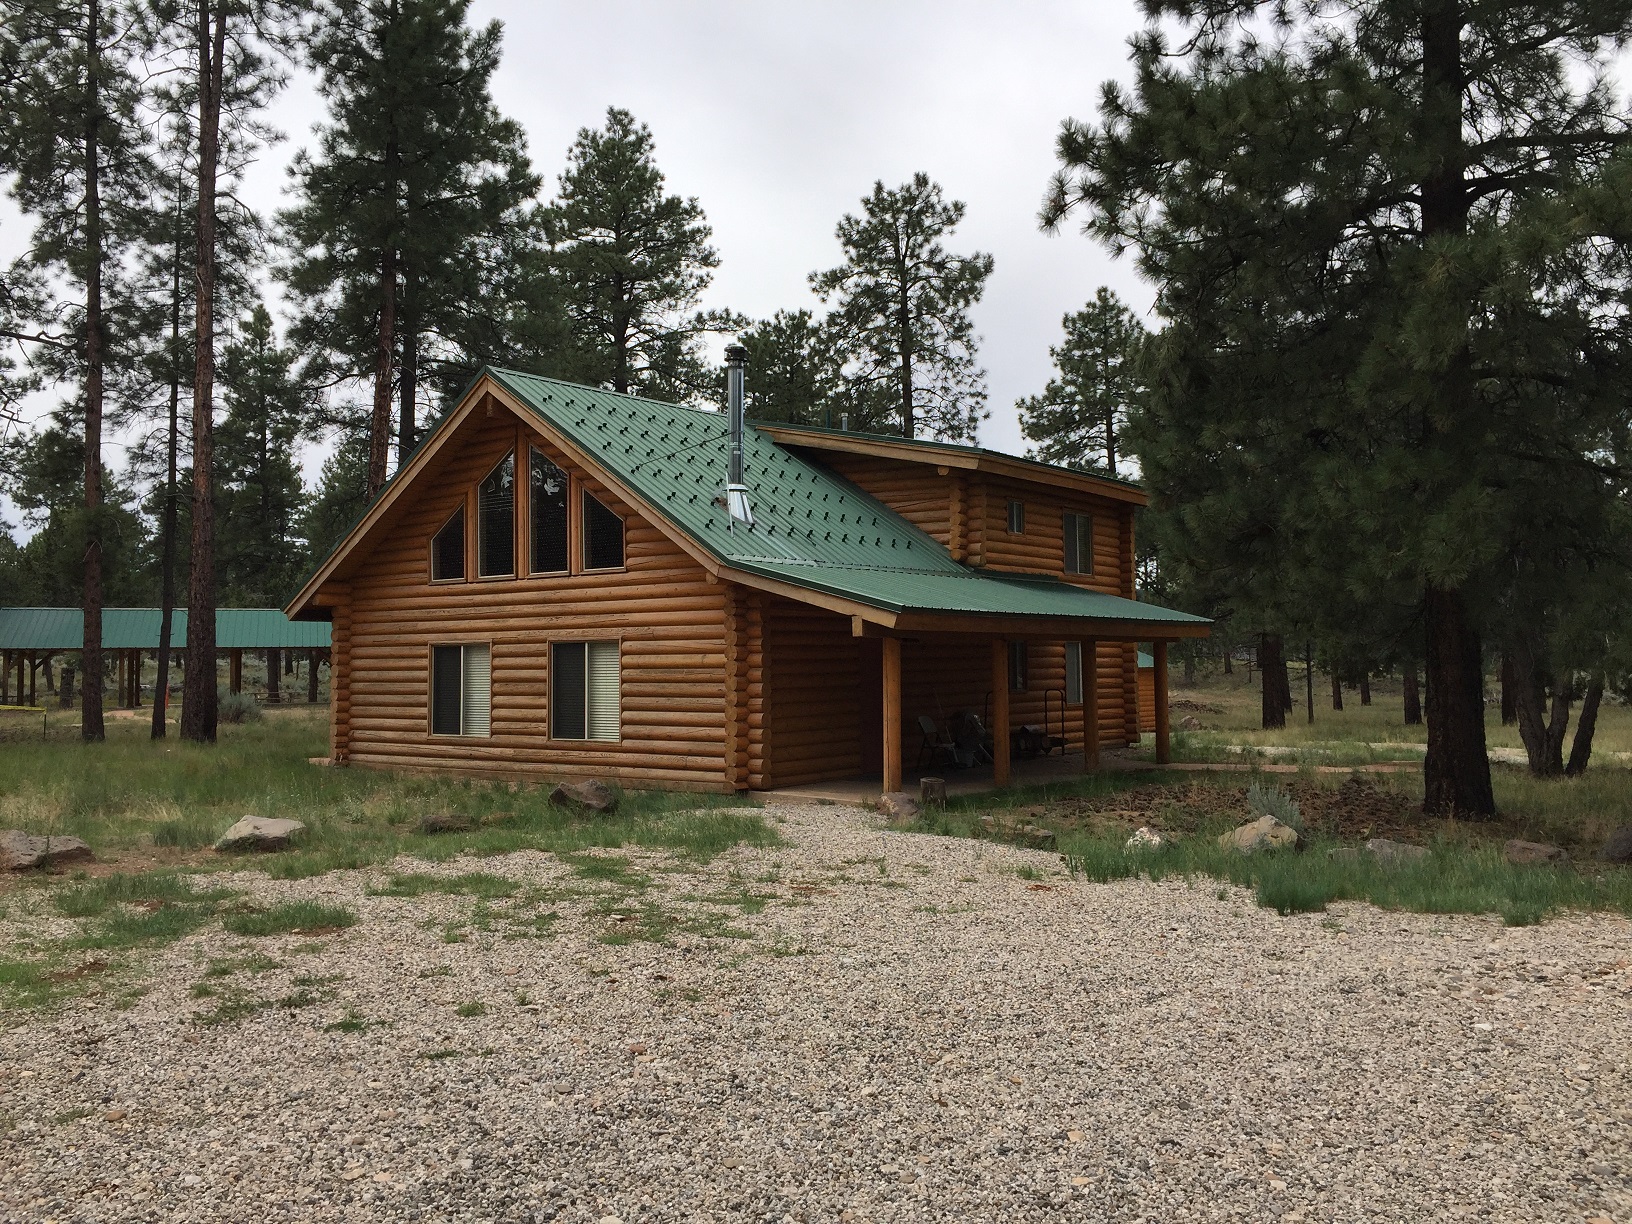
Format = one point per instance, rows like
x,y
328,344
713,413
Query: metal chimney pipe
x,y
736,358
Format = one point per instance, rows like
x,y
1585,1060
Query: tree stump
x,y
932,792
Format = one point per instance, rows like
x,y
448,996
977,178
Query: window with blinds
x,y
1079,543
603,536
1017,517
496,521
585,691
448,549
547,499
461,690
1073,673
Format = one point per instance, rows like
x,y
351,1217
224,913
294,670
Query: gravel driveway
x,y
911,1028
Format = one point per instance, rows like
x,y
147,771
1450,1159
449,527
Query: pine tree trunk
x,y
90,711
1309,679
1229,670
198,711
311,677
1337,692
1272,668
1581,749
1190,668
274,675
65,697
1542,746
167,524
1284,678
1365,689
1110,439
1510,708
406,412
1413,698
1456,771
379,434
904,323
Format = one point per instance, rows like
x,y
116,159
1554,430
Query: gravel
x,y
911,1028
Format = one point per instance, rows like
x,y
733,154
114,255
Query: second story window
x,y
1017,517
448,550
603,536
496,521
547,497
1079,543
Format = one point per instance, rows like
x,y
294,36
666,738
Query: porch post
x,y
1164,752
892,714
1088,649
1000,712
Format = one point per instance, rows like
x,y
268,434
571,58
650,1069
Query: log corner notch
x,y
1164,747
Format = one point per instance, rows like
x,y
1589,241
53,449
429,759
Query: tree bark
x,y
406,412
167,523
65,696
198,711
1413,697
379,434
91,726
1543,737
1337,692
1510,709
1272,667
1110,439
1365,689
1581,748
1309,679
1456,771
1229,670
904,323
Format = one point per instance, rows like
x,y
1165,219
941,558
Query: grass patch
x,y
27,984
470,884
475,1008
296,917
96,897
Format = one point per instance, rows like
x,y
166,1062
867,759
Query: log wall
x,y
685,664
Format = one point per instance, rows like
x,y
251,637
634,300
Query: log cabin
x,y
563,581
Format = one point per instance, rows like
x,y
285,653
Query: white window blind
x,y
477,692
603,690
1079,543
1073,673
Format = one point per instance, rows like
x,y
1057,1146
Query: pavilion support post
x,y
1000,712
274,674
892,714
235,673
5,677
1089,652
135,679
33,679
1164,746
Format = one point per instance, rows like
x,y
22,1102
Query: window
x,y
1079,543
584,699
547,497
448,549
1019,666
1073,673
603,536
461,690
1017,518
496,521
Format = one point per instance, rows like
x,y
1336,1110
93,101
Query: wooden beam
x,y
1088,651
1000,711
892,714
1047,629
1164,750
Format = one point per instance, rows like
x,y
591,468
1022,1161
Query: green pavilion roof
x,y
43,629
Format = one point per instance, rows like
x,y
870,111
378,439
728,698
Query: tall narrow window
x,y
1019,666
584,691
1017,517
1073,673
548,498
603,536
448,549
496,521
461,690
1079,543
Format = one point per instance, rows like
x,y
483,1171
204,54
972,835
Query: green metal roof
x,y
811,527
138,629
1147,660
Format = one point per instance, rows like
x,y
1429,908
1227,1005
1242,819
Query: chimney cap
x,y
735,354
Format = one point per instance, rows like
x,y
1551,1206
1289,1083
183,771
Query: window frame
x,y
1019,666
464,532
1071,535
515,520
461,645
534,450
1073,674
1016,516
584,567
550,732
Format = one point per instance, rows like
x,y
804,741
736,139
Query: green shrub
x,y
236,707
1271,800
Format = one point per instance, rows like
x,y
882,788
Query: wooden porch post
x,y
1000,712
1164,751
1089,651
892,714
236,673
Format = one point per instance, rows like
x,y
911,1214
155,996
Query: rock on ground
x,y
909,1028
589,795
1618,846
259,834
1265,833
1524,853
1392,853
20,852
898,807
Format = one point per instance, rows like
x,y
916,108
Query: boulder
x,y
898,807
443,822
1189,723
20,852
1036,837
590,795
1526,853
1393,853
1265,833
254,834
1144,838
1618,847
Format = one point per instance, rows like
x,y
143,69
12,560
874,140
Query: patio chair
x,y
937,745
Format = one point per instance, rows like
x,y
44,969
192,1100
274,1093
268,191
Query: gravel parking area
x,y
858,1025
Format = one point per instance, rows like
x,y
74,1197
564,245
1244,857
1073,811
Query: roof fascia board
x,y
1051,628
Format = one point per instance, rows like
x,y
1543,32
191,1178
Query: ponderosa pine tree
x,y
1384,242
342,495
1079,416
632,261
901,309
796,376
72,140
415,241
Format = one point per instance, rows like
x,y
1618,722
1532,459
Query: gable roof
x,y
815,535
138,629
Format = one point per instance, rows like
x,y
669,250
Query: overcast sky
x,y
779,117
